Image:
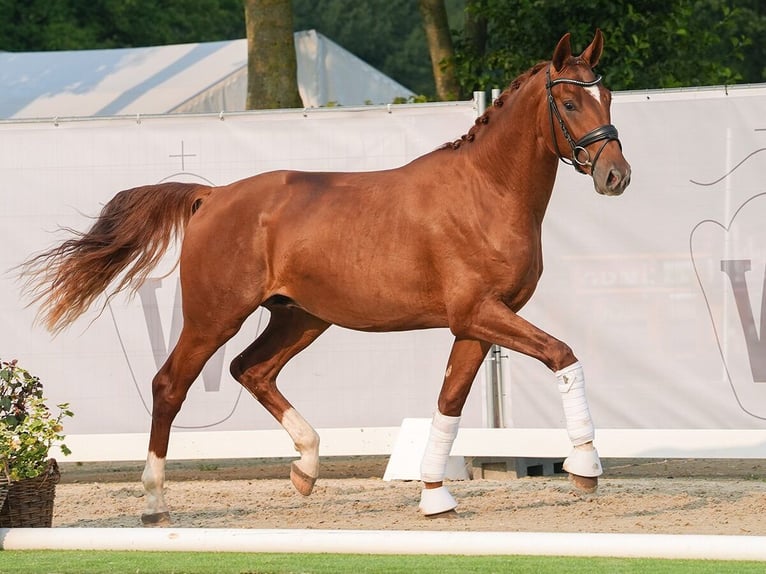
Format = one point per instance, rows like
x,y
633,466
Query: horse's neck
x,y
509,154
502,166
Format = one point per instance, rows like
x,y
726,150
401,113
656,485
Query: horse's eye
x,y
569,106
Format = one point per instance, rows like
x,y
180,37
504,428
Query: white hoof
x,y
584,462
436,501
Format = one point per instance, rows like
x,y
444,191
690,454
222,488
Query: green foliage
x,y
387,34
416,99
649,44
37,25
27,427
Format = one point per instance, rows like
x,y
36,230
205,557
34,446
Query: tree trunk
x,y
440,46
475,30
474,48
272,76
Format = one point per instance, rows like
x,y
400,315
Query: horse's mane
x,y
484,118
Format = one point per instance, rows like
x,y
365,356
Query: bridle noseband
x,y
606,133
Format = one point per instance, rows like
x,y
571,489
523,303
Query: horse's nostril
x,y
613,179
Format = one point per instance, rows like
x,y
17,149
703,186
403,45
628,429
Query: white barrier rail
x,y
508,442
670,546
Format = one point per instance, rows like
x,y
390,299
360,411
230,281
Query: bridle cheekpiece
x,y
580,155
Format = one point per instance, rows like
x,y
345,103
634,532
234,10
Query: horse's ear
x,y
592,53
562,52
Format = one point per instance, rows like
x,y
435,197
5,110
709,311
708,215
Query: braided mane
x,y
498,103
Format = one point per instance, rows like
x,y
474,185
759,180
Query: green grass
x,y
88,562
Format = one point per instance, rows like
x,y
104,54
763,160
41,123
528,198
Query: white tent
x,y
203,77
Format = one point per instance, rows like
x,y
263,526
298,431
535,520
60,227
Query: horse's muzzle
x,y
611,178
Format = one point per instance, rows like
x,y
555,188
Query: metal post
x,y
495,94
480,97
495,388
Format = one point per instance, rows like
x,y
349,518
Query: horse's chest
x,y
517,277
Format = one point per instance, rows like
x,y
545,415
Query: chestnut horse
x,y
451,239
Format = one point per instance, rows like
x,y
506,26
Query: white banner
x,y
641,285
103,365
659,292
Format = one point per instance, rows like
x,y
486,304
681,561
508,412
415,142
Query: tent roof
x,y
203,77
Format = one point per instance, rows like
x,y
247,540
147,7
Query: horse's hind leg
x,y
169,388
290,330
464,361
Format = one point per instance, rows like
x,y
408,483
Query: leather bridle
x,y
580,155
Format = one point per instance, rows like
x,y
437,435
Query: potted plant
x,y
28,429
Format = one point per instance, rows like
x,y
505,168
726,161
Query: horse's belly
x,y
381,323
371,305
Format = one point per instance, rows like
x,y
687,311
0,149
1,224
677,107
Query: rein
x,y
604,133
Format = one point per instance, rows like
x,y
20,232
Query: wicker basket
x,y
29,502
3,488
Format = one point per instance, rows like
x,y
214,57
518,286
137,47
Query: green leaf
x,y
10,420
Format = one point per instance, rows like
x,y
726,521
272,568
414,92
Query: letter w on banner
x,y
730,262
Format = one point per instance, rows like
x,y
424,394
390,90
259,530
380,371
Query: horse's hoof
x,y
436,501
302,482
584,484
449,515
156,519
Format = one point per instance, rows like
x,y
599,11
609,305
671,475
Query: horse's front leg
x,y
492,320
583,464
465,359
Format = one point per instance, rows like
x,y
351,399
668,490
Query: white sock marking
x,y
306,441
153,479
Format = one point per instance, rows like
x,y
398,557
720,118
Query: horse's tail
x,y
128,239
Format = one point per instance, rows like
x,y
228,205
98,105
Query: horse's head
x,y
578,107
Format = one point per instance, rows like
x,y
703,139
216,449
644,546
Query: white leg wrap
x,y
571,383
443,432
436,500
584,459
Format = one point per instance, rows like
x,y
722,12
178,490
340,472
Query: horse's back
x,y
317,202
